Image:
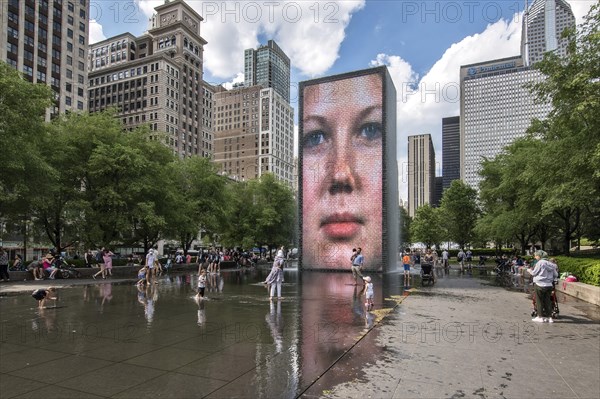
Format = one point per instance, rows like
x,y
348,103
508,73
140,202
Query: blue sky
x,y
423,43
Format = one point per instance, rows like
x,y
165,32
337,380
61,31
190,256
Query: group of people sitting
x,y
45,267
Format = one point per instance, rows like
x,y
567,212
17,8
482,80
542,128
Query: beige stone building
x,y
254,130
421,172
157,79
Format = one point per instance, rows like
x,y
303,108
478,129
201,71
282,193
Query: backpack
x,y
99,257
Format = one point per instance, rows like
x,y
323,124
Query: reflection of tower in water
x,y
201,312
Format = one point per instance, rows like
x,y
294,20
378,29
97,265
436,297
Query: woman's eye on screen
x,y
370,131
313,139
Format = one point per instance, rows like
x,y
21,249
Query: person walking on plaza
x,y
445,260
107,258
150,258
369,293
460,257
4,265
100,259
201,284
275,279
469,259
357,262
88,258
406,265
544,273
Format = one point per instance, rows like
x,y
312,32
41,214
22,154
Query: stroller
x,y
427,274
555,309
65,270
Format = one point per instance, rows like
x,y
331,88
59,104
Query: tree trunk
x,y
24,240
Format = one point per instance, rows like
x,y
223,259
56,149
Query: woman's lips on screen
x,y
339,226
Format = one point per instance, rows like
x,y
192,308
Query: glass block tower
x,y
543,24
268,66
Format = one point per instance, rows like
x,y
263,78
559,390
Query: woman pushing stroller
x,y
544,273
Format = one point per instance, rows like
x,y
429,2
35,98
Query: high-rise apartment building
x,y
47,40
495,106
254,133
157,79
421,172
543,25
450,150
268,66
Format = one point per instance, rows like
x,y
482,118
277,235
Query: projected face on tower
x,y
341,146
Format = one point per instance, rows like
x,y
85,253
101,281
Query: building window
x,y
12,33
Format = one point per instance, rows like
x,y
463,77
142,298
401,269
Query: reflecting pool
x,y
120,340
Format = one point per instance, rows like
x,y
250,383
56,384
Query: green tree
x,y
405,222
200,200
262,212
459,212
569,163
239,229
512,212
23,168
425,227
132,189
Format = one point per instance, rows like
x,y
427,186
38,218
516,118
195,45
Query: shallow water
x,y
276,347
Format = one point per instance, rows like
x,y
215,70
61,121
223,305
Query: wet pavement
x,y
463,337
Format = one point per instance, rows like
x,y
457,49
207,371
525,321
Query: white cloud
x,y
422,103
580,8
239,78
310,33
96,33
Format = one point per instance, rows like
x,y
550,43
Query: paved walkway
x,y
464,339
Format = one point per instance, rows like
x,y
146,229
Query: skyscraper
x,y
421,172
268,66
157,79
495,106
543,24
254,134
48,41
450,150
496,109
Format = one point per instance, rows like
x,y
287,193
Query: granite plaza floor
x,y
463,337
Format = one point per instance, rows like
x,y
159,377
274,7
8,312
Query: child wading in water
x,y
201,284
368,292
42,294
142,275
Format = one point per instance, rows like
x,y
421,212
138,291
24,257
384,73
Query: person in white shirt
x,y
544,273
